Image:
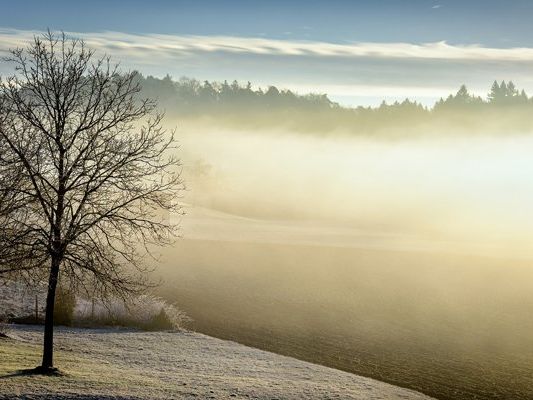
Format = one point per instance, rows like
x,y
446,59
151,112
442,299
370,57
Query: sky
x,y
358,52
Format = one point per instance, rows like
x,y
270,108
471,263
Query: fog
x,y
447,193
407,259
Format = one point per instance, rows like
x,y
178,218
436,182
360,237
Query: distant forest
x,y
505,109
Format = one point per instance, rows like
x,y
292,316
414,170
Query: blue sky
x,y
357,79
487,22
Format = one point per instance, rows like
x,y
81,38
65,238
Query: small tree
x,y
86,169
495,94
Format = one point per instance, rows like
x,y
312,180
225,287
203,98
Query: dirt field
x,y
450,326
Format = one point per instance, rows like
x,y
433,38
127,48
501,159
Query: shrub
x,y
65,303
160,322
144,312
18,303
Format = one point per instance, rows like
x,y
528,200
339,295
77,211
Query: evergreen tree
x,y
495,93
462,96
511,90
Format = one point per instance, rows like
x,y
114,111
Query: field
x,y
449,325
120,364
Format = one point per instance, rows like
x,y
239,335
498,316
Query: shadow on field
x,y
68,397
34,371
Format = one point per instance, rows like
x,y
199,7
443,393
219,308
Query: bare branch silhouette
x,y
86,171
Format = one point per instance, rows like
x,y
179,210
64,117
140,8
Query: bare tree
x,y
86,173
14,201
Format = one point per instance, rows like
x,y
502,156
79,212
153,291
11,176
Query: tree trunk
x,y
48,349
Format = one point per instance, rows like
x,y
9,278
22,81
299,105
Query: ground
x,y
125,364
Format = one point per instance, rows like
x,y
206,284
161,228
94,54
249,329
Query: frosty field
x,y
122,364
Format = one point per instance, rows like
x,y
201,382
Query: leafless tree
x,y
86,173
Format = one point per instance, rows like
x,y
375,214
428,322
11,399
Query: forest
x,y
235,105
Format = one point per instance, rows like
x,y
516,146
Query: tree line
x,y
242,105
188,93
500,94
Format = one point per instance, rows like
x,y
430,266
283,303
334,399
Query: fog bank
x,y
446,193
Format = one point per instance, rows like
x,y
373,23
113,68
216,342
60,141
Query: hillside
x,y
120,364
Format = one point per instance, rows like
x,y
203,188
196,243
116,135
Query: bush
x,y
65,304
144,312
160,322
18,304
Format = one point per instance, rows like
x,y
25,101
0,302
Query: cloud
x,y
171,44
436,6
356,67
193,44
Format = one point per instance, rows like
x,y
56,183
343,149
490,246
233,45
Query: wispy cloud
x,y
188,44
170,44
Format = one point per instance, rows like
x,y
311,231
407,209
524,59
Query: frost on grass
x,y
122,364
18,300
145,312
21,302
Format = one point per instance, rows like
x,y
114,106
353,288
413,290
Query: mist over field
x,y
458,194
397,258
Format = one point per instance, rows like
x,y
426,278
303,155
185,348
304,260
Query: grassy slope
x,y
125,364
84,375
